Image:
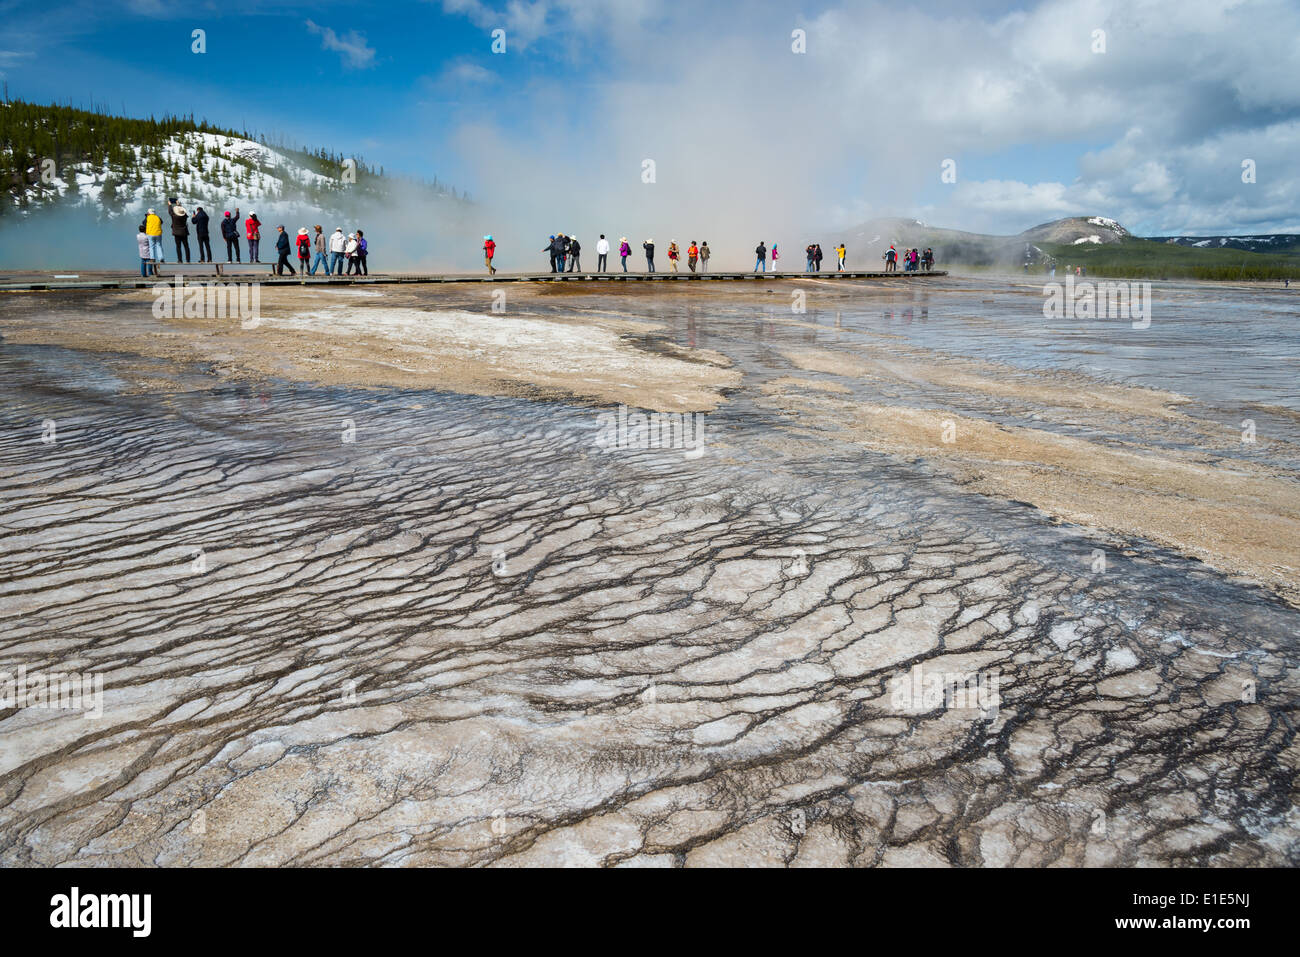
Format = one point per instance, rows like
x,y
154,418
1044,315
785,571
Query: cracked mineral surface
x,y
391,579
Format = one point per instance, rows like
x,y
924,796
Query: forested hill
x,y
62,156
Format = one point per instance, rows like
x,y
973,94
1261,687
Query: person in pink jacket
x,y
624,250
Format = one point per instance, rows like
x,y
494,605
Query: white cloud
x,y
357,54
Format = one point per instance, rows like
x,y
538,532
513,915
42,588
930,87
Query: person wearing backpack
x,y
673,255
704,256
253,230
624,250
200,221
180,229
363,250
304,249
575,252
230,233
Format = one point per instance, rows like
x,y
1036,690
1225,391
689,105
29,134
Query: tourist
x,y
180,229
322,252
774,257
575,252
153,229
704,256
760,257
693,255
809,251
891,259
928,257
338,242
550,248
489,250
649,247
563,240
253,230
282,247
624,250
673,255
200,221
304,250
146,254
363,253
230,233
602,253
840,252
817,257
350,253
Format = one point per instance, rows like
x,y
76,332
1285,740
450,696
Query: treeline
x,y
41,144
1146,259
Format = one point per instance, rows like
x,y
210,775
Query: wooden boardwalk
x,y
99,280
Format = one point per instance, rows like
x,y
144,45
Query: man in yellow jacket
x,y
153,229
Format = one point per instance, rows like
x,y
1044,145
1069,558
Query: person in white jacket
x,y
338,242
350,253
602,252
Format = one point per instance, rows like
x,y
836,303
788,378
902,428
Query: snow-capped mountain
x,y
1266,243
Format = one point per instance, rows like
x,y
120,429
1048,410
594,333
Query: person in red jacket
x,y
304,249
253,229
489,250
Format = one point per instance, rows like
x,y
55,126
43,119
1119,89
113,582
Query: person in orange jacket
x,y
489,250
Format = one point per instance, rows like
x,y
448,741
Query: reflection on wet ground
x,y
409,627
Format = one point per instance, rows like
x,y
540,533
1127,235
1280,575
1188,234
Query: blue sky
x,y
1152,130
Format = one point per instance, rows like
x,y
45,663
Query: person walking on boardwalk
x,y
624,250
602,253
322,252
840,252
303,243
253,230
180,229
146,258
575,252
282,247
674,254
489,250
775,257
230,233
363,254
649,247
338,243
760,257
704,256
817,257
200,221
693,255
153,227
